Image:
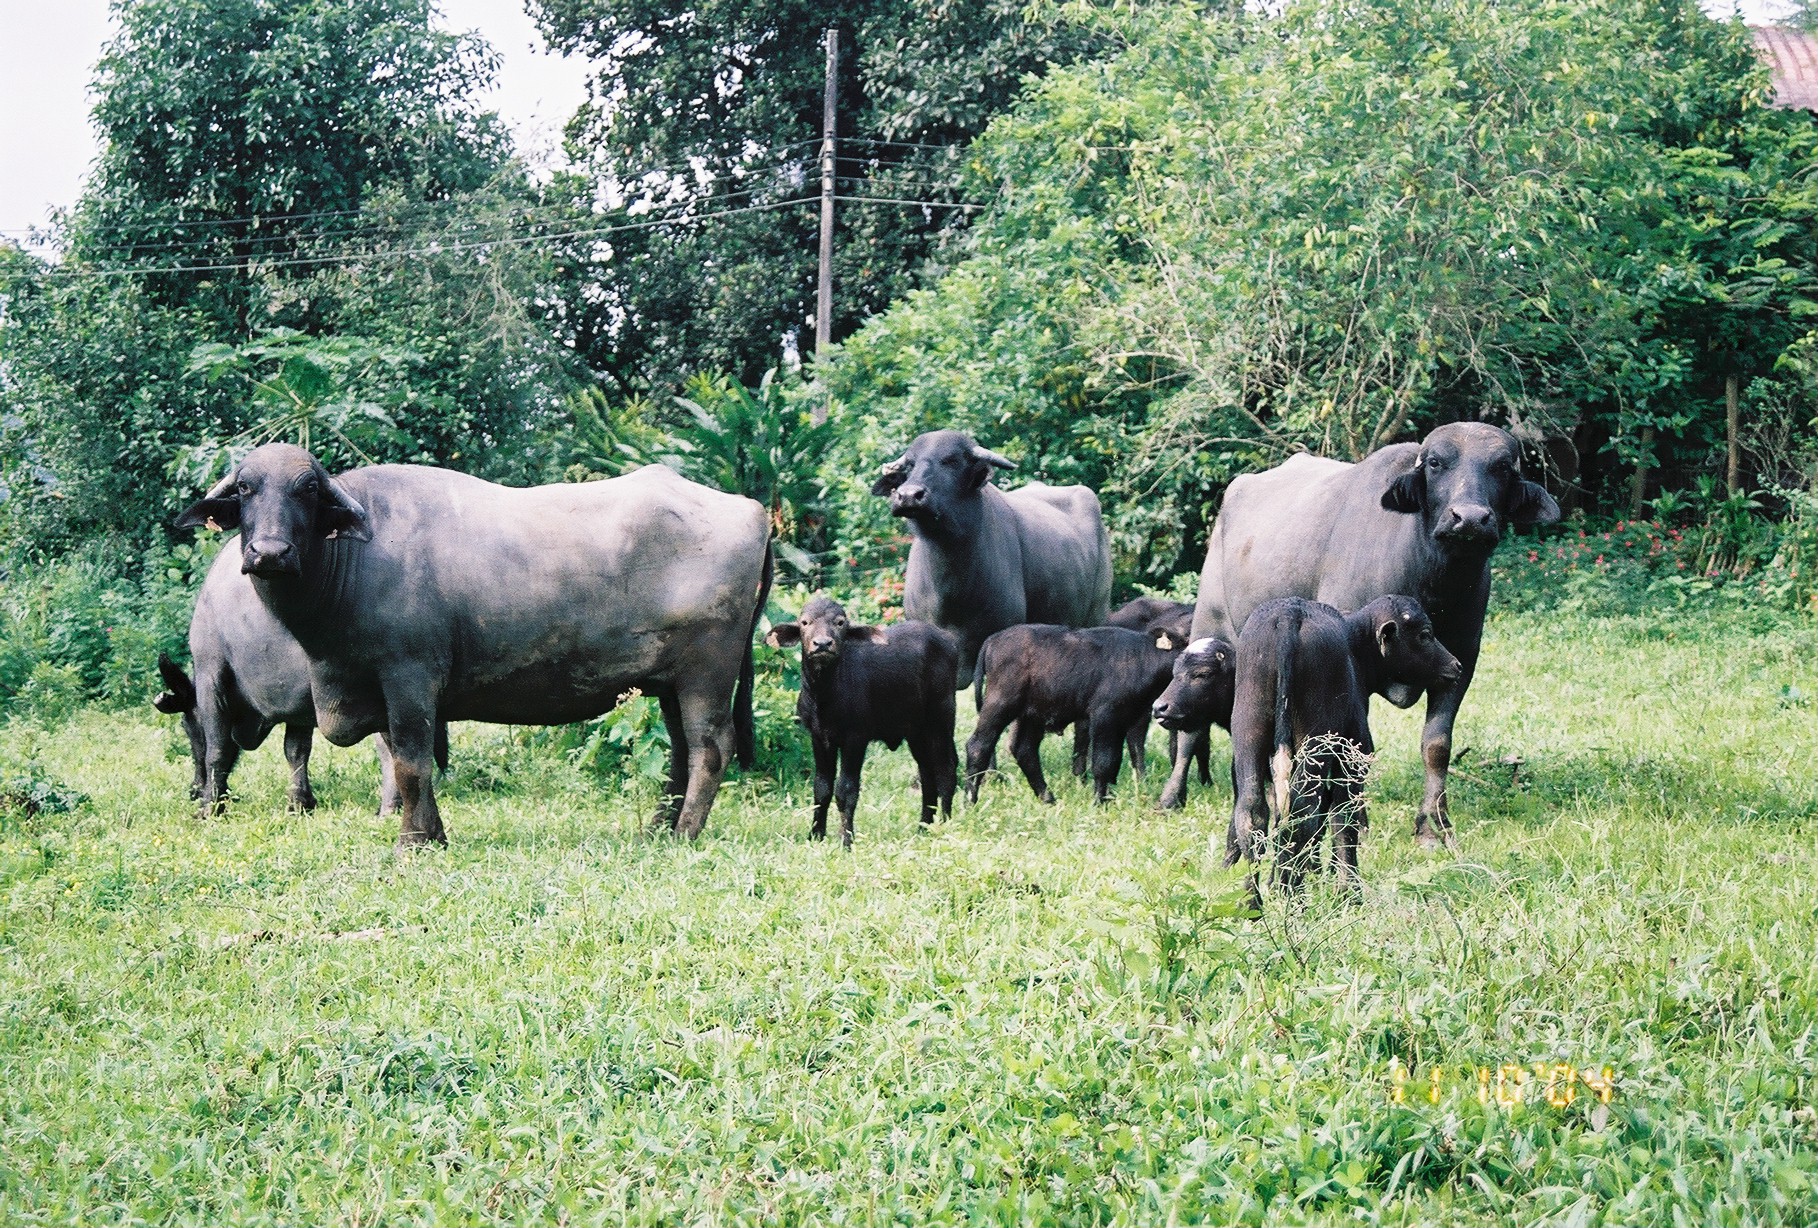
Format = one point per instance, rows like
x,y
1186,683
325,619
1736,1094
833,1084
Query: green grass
x,y
1026,1013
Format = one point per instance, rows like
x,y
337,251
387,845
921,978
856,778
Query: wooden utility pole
x,y
823,307
1732,405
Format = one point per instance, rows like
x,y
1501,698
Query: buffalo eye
x,y
951,462
242,488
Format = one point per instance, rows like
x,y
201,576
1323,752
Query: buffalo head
x,y
822,631
1466,484
1202,688
940,471
283,502
1413,659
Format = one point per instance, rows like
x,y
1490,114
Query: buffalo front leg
x,y
1186,744
826,758
389,801
222,755
1137,739
297,742
413,756
1433,825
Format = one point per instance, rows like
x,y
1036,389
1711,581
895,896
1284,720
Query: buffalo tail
x,y
1281,764
744,724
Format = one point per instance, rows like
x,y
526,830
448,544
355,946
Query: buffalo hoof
x,y
411,841
1433,839
304,804
1169,801
1047,798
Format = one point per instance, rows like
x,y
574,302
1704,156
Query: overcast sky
x,y
48,49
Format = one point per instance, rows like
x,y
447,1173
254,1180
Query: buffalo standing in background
x,y
420,593
1419,519
985,559
250,677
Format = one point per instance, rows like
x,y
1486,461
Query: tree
x,y
272,164
1332,227
716,108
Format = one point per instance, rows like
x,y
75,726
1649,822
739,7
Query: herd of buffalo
x,y
393,599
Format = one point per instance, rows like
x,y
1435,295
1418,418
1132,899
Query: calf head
x,y
822,631
1411,658
938,478
284,504
1466,485
1202,688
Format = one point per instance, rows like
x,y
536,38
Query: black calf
x,y
1045,677
873,684
1300,721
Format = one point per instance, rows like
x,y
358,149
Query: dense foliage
x,y
716,107
1328,229
265,166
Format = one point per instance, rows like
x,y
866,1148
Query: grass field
x,y
1027,1013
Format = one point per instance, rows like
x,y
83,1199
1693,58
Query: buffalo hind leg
x,y
826,758
981,747
846,788
1026,749
707,725
297,742
1082,747
1107,757
934,773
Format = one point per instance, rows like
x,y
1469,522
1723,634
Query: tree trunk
x,y
1732,404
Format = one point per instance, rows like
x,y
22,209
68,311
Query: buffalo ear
x,y
1533,505
1406,493
984,460
340,514
1166,640
218,509
891,475
876,635
784,634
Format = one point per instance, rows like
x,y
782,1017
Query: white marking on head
x,y
1203,644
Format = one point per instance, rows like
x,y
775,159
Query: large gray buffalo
x,y
1415,519
250,676
984,559
419,592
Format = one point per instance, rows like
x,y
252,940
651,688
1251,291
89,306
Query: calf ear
x,y
891,476
341,515
1167,641
218,509
1407,493
1533,505
1387,632
784,634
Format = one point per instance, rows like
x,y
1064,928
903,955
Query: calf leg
x,y
1137,739
930,775
846,789
707,723
981,747
1186,745
1203,754
1026,749
1348,822
297,740
1107,756
825,756
1082,747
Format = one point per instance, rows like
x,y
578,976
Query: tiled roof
x,y
1793,57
